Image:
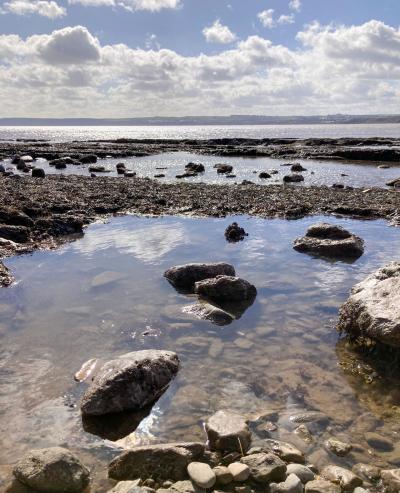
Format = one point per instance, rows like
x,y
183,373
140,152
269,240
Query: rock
x,y
129,174
205,311
62,162
2,169
228,432
284,451
264,175
293,178
330,241
201,474
160,175
15,159
393,183
243,489
292,484
106,278
338,185
160,462
226,289
223,475
97,169
223,168
346,479
86,370
38,173
130,487
391,479
195,167
120,166
184,277
373,308
188,174
321,486
360,490
18,234
309,417
297,167
367,472
131,382
52,469
6,279
337,447
378,442
182,487
21,165
9,215
88,159
240,472
304,473
265,468
235,233
304,433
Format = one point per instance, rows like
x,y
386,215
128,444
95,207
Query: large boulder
x,y
131,382
373,308
226,289
228,431
184,277
52,469
160,462
329,240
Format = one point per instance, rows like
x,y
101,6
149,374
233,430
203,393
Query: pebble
x,y
240,472
201,474
346,479
321,486
292,484
337,447
304,473
223,475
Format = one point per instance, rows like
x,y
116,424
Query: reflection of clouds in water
x,y
148,243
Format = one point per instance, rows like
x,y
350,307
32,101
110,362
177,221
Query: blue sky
x,y
121,58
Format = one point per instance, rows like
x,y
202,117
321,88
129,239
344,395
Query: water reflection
x,y
281,355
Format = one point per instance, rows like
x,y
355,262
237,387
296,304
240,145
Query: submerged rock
x,y
304,473
285,451
131,382
346,479
234,233
373,308
330,241
184,277
205,311
228,431
160,462
337,447
52,469
391,479
195,167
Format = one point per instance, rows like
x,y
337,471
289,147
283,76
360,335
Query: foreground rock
x,y
130,487
184,277
373,309
329,240
5,276
391,479
205,311
292,484
322,486
52,470
235,233
160,462
201,474
226,289
265,468
228,431
131,382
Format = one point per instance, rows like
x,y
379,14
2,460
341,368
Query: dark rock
x,y
234,233
19,234
121,166
265,468
38,173
330,241
184,277
195,167
160,175
16,159
121,171
394,183
131,382
223,168
97,169
130,174
88,159
205,311
228,432
2,169
52,470
297,167
21,165
10,215
159,462
188,174
293,178
373,308
62,162
226,289
6,278
264,175
338,185
60,165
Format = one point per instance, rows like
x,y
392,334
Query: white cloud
x,y
217,33
286,19
266,18
69,73
295,5
45,8
151,5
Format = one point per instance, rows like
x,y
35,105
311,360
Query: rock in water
x,y
131,382
293,178
322,486
38,173
346,479
265,468
292,484
160,462
184,277
5,276
391,479
373,308
226,289
52,469
234,233
329,240
86,370
228,432
195,167
201,474
205,311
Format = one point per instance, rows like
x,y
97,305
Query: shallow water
x,y
172,164
282,354
67,133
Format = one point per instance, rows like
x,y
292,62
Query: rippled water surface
x,y
104,295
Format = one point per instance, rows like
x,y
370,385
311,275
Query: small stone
x,y
265,467
367,472
243,489
223,475
38,173
360,490
240,472
337,447
378,442
228,432
391,479
321,486
292,484
304,433
304,473
346,479
285,451
201,474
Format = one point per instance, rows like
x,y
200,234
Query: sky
x,y
132,58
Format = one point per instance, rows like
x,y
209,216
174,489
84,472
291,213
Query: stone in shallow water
x,y
205,311
285,451
391,479
223,475
292,484
337,447
367,472
373,308
265,468
201,474
228,431
131,382
160,462
240,472
293,178
346,479
5,276
322,486
52,469
304,473
378,442
184,277
106,278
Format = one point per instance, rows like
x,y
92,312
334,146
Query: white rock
x,y
202,474
240,472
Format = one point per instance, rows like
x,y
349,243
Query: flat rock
x,y
293,178
304,473
160,462
106,278
284,451
337,447
201,474
228,431
329,240
322,486
292,484
52,469
265,468
240,472
184,277
378,442
131,382
346,479
373,308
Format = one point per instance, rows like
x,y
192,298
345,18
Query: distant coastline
x,y
205,120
